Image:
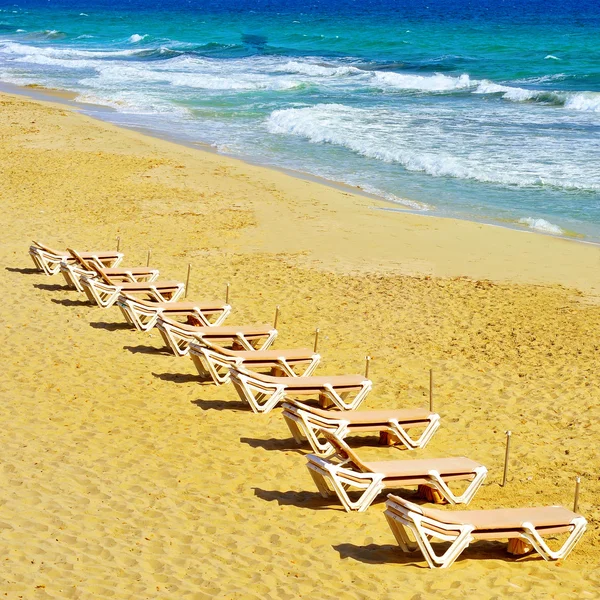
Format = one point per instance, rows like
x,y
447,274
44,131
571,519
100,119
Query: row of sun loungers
x,y
264,378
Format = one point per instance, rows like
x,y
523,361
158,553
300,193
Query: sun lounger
x,y
48,260
343,470
143,314
306,421
103,291
214,361
178,336
525,528
105,295
72,271
264,392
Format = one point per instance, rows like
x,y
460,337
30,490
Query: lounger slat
x,y
458,466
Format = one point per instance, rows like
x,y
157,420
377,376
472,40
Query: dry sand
x,y
123,476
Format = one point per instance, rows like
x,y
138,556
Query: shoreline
x,y
124,474
95,111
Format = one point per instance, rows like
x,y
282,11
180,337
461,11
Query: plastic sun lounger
x,y
264,392
306,421
105,294
343,470
143,314
72,271
178,336
214,361
525,528
48,260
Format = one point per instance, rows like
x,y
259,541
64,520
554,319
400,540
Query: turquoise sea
x,y
484,110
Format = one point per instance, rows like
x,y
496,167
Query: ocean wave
x,y
317,70
119,75
541,225
430,83
586,101
582,101
381,136
134,102
47,34
136,38
17,48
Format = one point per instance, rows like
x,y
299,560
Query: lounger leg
x,y
436,481
177,343
320,483
400,533
294,429
536,540
207,364
459,536
311,432
407,441
340,399
256,397
334,475
39,265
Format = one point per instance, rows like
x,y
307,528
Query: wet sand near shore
x,y
125,476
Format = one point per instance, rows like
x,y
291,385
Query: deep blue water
x,y
483,110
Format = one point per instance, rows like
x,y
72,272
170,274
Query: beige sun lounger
x,y
306,421
214,361
525,526
72,271
178,336
48,260
264,392
343,470
143,314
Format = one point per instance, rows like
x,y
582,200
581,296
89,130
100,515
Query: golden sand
x,y
123,476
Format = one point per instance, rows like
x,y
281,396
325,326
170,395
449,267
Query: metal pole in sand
x,y
276,318
316,340
430,390
187,281
508,434
118,243
227,294
367,365
576,501
148,259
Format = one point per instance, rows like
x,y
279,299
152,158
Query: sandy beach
x,y
124,476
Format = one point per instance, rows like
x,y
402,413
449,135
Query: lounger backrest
x,y
84,263
313,410
89,266
342,449
297,404
405,504
218,349
46,248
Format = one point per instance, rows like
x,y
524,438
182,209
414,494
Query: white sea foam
x,y
117,76
551,57
541,225
19,49
430,83
136,37
317,70
516,94
432,146
583,101
53,34
586,101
